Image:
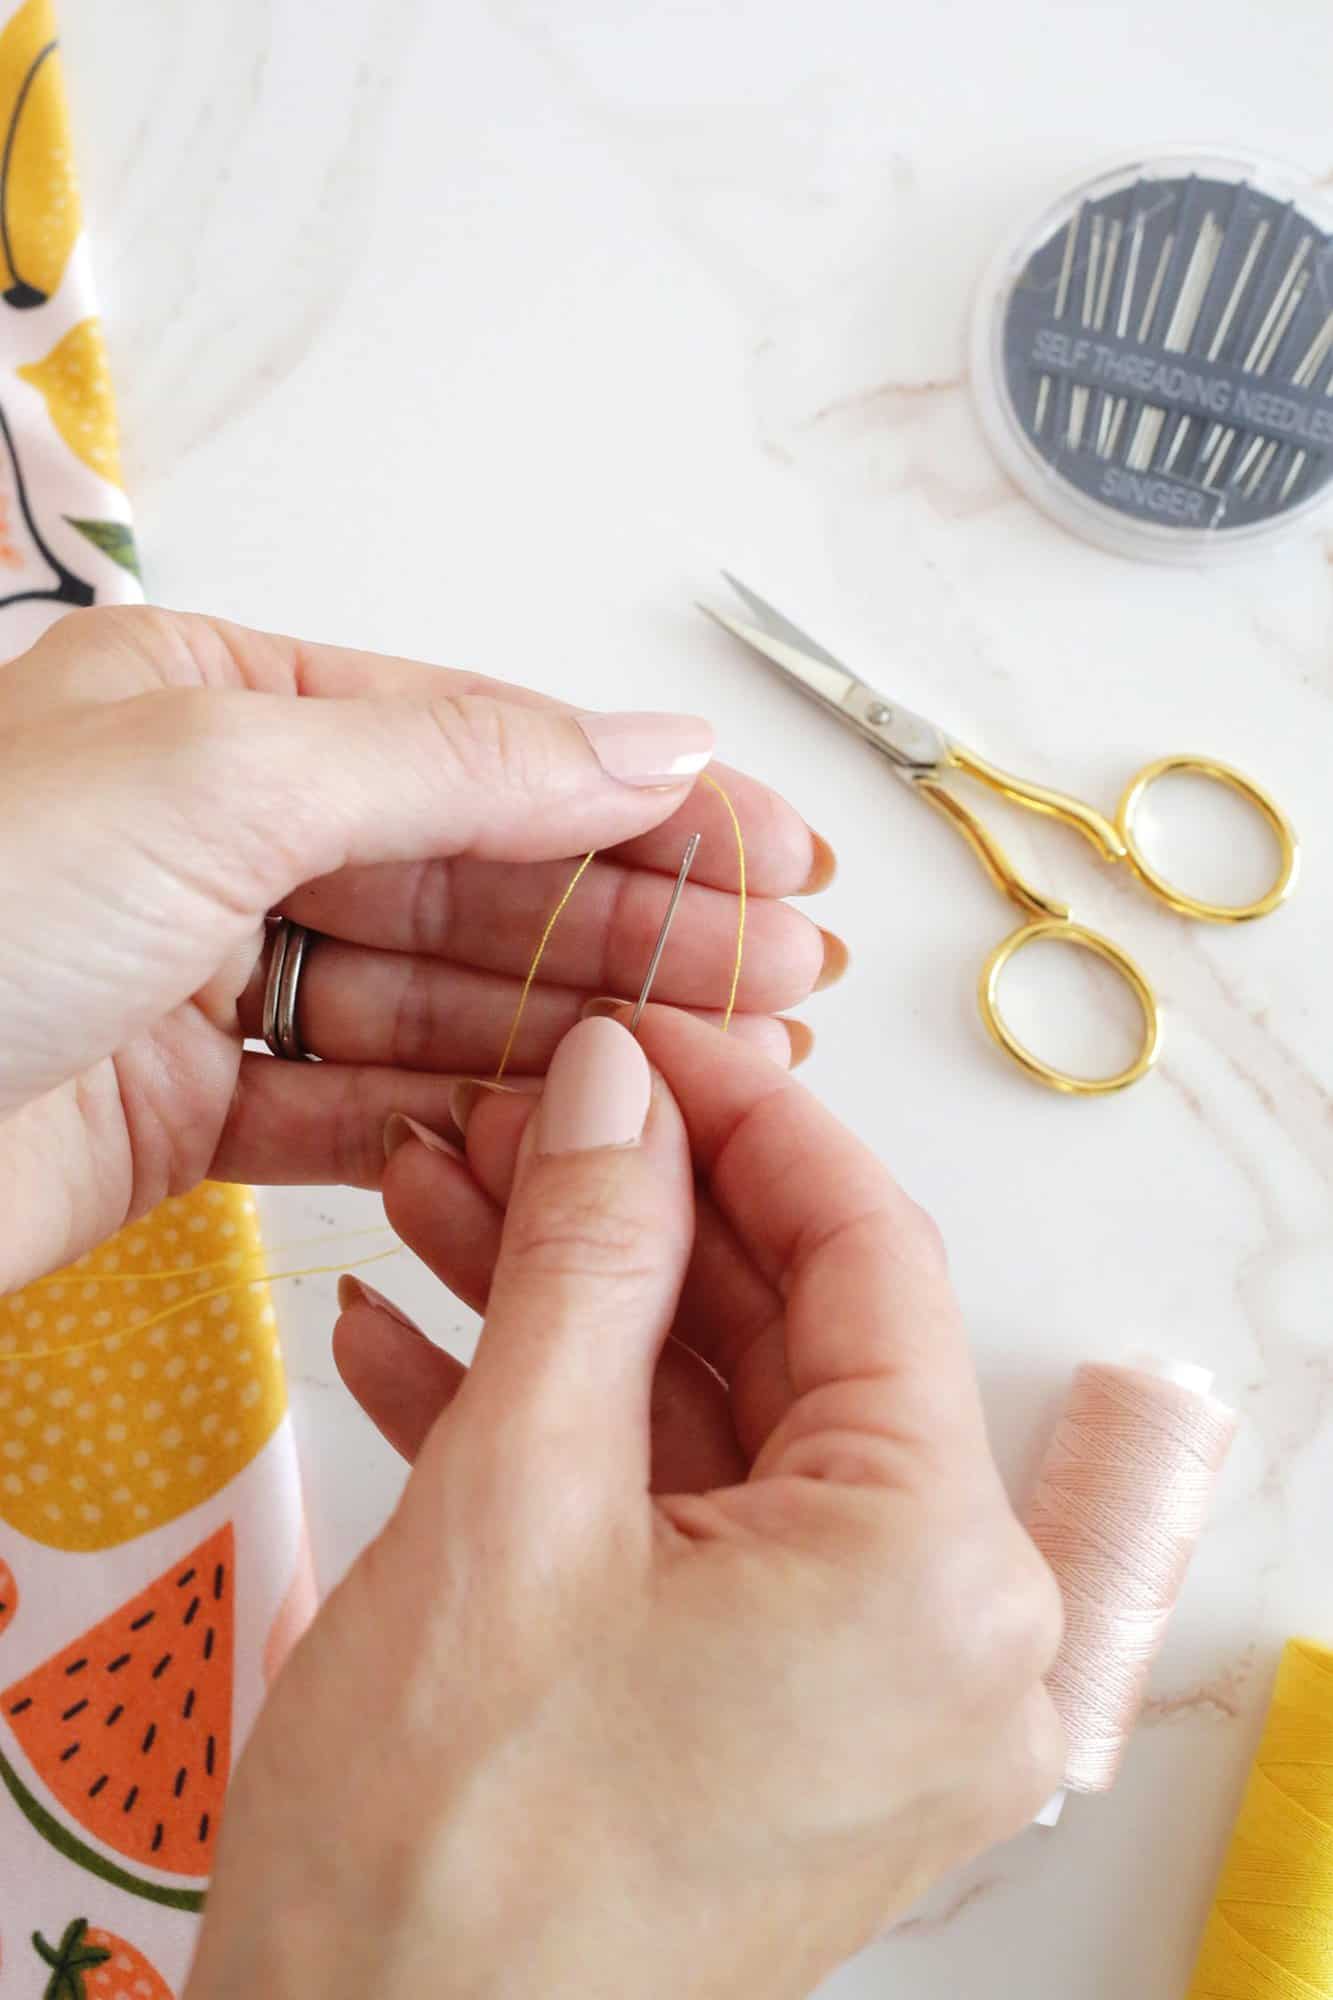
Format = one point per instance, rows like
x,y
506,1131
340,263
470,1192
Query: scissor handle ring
x,y
1065,932
1236,781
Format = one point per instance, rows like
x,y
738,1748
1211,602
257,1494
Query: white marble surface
x,y
484,332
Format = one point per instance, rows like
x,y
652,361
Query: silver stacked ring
x,y
290,942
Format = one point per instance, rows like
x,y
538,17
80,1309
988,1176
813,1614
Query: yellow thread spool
x,y
1269,1935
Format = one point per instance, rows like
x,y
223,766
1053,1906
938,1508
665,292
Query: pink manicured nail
x,y
649,749
399,1128
356,1292
597,1091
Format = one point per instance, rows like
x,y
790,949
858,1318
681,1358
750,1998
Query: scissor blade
x,y
912,744
821,677
779,627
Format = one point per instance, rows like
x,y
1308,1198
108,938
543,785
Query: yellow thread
x,y
86,1273
255,1273
551,923
714,786
238,1282
572,885
1270,1930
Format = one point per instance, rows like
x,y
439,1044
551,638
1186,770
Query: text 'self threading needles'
x,y
1155,359
1270,1930
687,862
1120,1502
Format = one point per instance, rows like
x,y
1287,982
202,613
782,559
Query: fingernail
x,y
802,1041
461,1100
468,1091
649,749
400,1128
604,1007
836,960
823,866
354,1292
597,1091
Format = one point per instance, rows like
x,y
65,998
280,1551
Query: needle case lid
x,y
1153,356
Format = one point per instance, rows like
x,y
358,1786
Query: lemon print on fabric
x,y
137,1382
76,383
39,197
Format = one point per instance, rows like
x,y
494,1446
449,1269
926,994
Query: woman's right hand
x,y
571,1730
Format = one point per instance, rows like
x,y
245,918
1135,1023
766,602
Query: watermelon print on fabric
x,y
129,1727
143,1415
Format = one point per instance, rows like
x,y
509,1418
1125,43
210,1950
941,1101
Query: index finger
x,y
860,1268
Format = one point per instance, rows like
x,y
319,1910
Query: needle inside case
x,y
1153,359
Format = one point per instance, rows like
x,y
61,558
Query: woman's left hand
x,y
167,781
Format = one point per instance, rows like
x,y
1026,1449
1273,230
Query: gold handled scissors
x,y
921,755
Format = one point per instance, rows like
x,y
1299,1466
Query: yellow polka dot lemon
x,y
76,382
39,197
139,1381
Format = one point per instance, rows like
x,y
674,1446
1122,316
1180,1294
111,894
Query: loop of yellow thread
x,y
83,1273
714,786
1269,1935
250,1275
572,885
239,1281
537,956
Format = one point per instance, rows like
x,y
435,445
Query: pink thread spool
x,y
1120,1503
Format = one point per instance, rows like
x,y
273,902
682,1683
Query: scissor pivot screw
x,y
879,713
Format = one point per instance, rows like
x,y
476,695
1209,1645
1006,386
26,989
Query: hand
x,y
553,1735
168,780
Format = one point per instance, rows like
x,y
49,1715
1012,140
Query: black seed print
x,y
188,1710
150,1737
189,1616
77,1666
218,1574
130,1796
76,1708
188,1577
71,1750
208,1643
161,1666
19,1706
97,1785
121,1660
179,1785
115,1714
203,1827
208,1757
157,1836
138,1624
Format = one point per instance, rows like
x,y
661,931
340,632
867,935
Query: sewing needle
x,y
687,862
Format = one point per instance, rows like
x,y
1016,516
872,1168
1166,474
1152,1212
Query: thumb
x,y
286,787
594,1251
